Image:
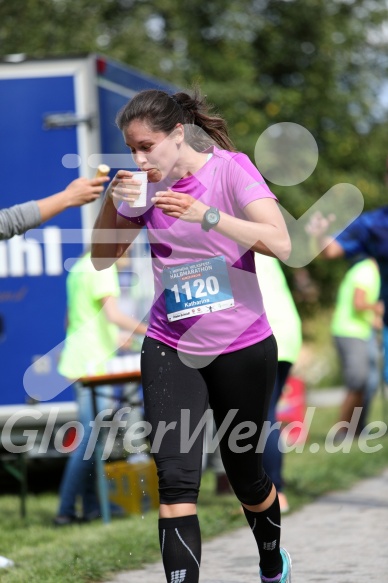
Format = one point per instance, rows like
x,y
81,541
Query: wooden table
x,y
92,382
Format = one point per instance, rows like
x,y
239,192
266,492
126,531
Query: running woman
x,y
208,340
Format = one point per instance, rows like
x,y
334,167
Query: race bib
x,y
197,288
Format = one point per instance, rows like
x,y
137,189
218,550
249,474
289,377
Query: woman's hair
x,y
162,112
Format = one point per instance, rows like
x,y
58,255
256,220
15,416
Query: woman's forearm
x,y
79,192
52,205
105,247
264,231
264,238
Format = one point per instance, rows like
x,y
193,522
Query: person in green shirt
x,y
286,325
357,307
92,339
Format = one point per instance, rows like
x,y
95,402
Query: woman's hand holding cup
x,y
129,187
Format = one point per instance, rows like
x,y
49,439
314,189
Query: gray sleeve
x,y
18,219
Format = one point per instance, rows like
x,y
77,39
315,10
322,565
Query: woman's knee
x,y
253,492
178,485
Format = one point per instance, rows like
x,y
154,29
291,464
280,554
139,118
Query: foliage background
x,y
318,63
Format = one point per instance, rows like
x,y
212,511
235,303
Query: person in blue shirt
x,y
368,236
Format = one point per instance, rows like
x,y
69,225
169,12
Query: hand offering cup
x,y
102,170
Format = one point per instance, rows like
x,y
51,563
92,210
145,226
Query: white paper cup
x,y
142,200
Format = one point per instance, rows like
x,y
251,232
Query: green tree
x,y
318,63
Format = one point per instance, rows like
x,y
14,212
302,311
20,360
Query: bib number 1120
x,y
203,288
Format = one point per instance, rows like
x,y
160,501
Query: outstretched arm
x,y
77,193
323,243
17,219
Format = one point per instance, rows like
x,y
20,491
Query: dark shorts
x,y
354,357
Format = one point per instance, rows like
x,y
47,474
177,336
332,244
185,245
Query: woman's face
x,y
154,152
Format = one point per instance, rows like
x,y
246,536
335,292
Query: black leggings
x,y
175,400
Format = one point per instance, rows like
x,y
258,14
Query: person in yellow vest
x,y
355,313
92,338
286,324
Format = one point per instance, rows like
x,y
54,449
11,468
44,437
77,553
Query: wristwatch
x,y
210,219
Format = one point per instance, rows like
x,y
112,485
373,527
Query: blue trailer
x,y
57,120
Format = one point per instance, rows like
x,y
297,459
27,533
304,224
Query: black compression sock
x,y
266,530
180,545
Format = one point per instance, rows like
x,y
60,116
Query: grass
x,y
92,552
308,475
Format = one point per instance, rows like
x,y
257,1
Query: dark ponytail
x,y
162,112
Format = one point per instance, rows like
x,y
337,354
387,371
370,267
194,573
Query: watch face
x,y
212,217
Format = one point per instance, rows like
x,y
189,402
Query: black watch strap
x,y
210,218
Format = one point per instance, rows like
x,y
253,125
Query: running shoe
x,y
286,573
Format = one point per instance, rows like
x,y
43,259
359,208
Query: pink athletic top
x,y
228,181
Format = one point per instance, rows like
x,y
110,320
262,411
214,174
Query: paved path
x,y
340,538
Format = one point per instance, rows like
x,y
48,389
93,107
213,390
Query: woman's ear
x,y
179,134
